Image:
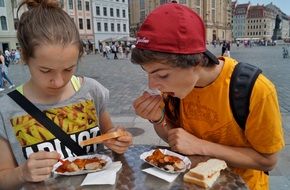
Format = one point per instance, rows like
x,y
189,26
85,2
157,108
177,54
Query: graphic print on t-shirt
x,y
77,120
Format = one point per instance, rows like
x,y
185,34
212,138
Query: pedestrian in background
x,y
51,47
228,48
224,48
114,49
120,50
17,55
197,118
4,74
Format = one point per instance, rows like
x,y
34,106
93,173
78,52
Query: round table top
x,y
131,176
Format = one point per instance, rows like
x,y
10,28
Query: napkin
x,y
107,176
170,177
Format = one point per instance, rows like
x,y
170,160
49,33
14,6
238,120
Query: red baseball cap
x,y
173,28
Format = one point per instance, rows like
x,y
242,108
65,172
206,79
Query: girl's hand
x,y
39,165
149,106
183,142
120,144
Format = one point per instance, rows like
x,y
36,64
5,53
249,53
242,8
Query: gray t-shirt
x,y
78,116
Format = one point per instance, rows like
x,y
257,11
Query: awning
x,y
110,39
127,39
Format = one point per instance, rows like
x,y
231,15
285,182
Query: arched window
x,y
3,23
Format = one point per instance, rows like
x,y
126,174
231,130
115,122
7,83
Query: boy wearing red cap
x,y
195,89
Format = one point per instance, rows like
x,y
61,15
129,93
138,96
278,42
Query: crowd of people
x,y
192,112
116,50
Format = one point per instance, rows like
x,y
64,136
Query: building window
x,y
70,4
119,27
118,12
124,13
182,1
213,15
80,5
142,15
111,12
88,24
87,6
124,27
3,23
106,27
105,11
98,10
197,10
2,4
197,2
162,2
81,24
213,3
99,27
123,1
112,27
142,4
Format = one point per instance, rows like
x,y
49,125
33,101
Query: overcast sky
x,y
284,5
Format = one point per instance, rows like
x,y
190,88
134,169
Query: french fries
x,y
71,119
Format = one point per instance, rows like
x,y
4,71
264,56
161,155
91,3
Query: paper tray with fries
x,y
183,162
106,161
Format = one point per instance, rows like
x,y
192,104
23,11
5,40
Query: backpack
x,y
242,81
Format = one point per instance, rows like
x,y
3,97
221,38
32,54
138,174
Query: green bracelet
x,y
159,121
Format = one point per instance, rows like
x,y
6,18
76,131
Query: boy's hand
x,y
149,106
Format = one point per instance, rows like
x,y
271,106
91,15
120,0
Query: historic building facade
x,y
257,22
81,12
111,19
217,15
239,20
8,38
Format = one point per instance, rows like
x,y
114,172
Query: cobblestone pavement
x,y
126,81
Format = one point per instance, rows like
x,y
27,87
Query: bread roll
x,y
205,183
205,173
206,169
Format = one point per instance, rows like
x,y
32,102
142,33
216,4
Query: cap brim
x,y
211,57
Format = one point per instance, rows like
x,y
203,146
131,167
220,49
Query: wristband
x,y
159,121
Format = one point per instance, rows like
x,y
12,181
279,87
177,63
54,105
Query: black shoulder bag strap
x,y
37,114
242,81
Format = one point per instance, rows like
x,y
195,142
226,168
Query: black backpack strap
x,y
37,114
242,81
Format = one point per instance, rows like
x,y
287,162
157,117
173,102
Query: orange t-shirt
x,y
207,114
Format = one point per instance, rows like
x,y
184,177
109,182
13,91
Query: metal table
x,y
131,176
